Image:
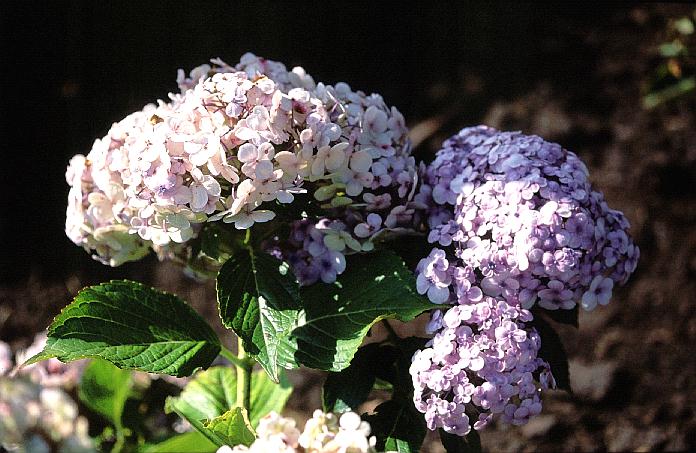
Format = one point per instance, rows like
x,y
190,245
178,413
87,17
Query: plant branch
x,y
390,330
236,361
243,367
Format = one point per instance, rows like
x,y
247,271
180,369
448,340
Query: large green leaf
x,y
232,427
347,389
260,304
398,426
213,392
105,389
259,300
132,326
191,442
337,317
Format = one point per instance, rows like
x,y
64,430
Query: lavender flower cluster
x,y
482,359
523,217
519,225
236,141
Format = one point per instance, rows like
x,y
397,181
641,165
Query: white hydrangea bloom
x,y
323,433
235,140
32,417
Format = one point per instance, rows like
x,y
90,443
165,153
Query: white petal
x,y
262,215
333,242
199,197
212,186
247,153
589,301
264,169
360,162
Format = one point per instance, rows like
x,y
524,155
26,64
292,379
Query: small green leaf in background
x,y
212,393
337,317
458,444
398,426
232,427
246,284
191,442
132,326
104,389
684,26
209,394
680,88
396,423
218,242
553,352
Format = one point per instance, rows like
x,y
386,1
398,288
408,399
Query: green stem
x,y
243,377
120,439
236,361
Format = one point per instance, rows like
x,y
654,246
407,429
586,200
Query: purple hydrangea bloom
x,y
483,356
307,254
519,225
525,218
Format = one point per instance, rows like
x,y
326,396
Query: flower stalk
x,y
243,367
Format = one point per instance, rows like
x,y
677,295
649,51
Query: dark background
x,y
572,73
70,69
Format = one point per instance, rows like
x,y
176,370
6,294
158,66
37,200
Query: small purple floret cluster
x,y
483,358
516,224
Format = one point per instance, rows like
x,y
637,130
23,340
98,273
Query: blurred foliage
x,y
675,75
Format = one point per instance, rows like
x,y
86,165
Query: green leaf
x,y
553,352
471,443
337,317
132,326
347,389
218,242
379,366
209,394
213,392
398,426
232,427
191,442
680,88
104,389
325,329
267,396
260,304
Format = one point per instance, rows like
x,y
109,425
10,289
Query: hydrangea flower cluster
x,y
236,141
524,222
482,360
323,433
519,225
36,413
51,372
